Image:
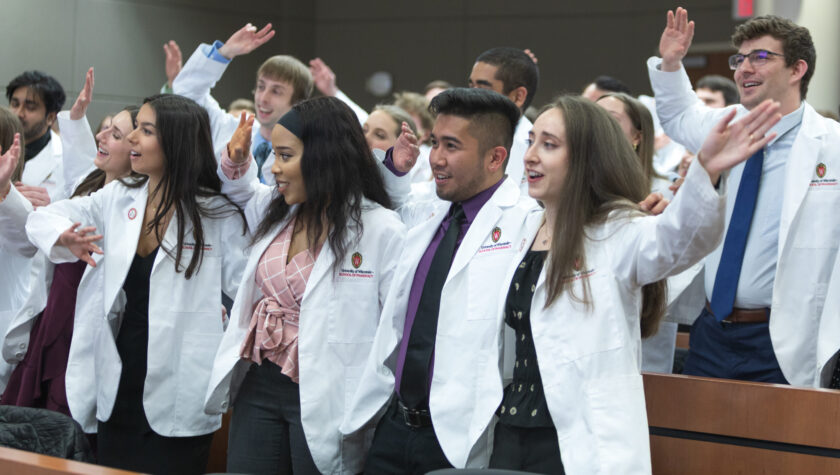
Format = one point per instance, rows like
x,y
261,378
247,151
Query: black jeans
x,y
399,448
129,449
266,435
533,450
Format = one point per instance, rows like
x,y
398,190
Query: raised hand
x,y
83,101
36,195
174,61
8,163
676,39
324,77
239,147
406,150
81,242
730,144
245,40
531,55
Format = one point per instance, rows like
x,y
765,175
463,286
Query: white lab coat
x,y
24,290
198,76
47,169
467,343
589,359
338,318
684,290
829,342
809,231
185,323
19,273
515,169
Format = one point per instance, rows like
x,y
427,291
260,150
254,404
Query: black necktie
x,y
260,154
414,383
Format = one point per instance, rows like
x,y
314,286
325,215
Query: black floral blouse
x,y
524,402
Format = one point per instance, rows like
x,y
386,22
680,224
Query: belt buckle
x,y
412,417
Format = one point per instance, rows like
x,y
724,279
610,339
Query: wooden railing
x,y
19,462
705,425
697,426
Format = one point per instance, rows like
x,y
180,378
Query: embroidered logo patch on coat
x,y
496,234
356,260
821,170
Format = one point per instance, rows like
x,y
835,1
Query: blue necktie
x,y
729,270
260,154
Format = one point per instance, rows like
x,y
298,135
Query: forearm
x,y
78,149
14,209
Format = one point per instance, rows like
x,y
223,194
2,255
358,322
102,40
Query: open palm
x,y
730,144
81,242
85,95
676,39
245,40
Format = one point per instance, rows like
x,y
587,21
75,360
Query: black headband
x,y
291,121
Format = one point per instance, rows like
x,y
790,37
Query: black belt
x,y
414,417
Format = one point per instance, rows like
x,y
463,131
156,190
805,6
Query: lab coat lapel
x,y
43,165
130,209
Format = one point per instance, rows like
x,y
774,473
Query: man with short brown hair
x,y
282,82
765,286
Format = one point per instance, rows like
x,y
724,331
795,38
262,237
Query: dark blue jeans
x,y
732,350
266,435
532,450
398,448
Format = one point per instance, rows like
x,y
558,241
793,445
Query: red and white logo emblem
x,y
821,170
496,234
356,260
132,213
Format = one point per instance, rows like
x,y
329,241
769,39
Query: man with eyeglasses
x,y
766,284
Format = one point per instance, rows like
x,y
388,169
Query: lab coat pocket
x,y
354,312
819,221
200,293
618,418
578,332
193,376
483,284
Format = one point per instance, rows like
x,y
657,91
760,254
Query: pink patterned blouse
x,y
273,331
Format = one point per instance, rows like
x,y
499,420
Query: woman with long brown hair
x,y
148,314
588,286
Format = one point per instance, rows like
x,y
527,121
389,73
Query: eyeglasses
x,y
758,57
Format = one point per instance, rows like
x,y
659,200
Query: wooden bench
x,y
706,425
20,462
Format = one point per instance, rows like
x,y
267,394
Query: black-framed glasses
x,y
758,57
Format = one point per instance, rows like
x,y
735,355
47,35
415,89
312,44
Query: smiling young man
x,y
36,98
514,74
282,81
440,324
766,284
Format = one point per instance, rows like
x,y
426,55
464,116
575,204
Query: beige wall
x,y
123,41
437,39
575,41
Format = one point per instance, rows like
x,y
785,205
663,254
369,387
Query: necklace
x,y
546,235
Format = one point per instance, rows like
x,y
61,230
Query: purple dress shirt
x,y
471,208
